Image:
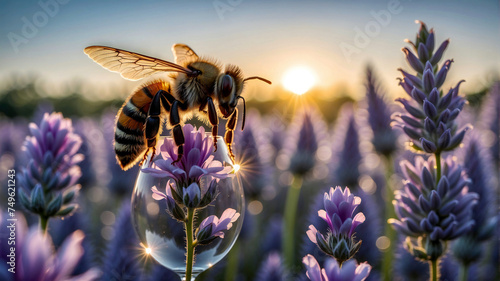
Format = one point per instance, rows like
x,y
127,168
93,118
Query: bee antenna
x,y
257,77
244,112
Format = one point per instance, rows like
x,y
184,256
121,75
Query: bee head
x,y
227,90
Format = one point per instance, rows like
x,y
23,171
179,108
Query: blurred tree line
x,y
22,97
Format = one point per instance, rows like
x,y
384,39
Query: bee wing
x,y
183,54
131,65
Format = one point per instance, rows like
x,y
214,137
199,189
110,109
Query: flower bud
x,y
54,206
210,194
38,199
191,196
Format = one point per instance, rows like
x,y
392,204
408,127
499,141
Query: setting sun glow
x,y
299,79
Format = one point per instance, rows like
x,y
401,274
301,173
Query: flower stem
x,y
464,272
292,201
434,270
43,224
189,243
390,233
438,167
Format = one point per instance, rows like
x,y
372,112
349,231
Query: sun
x,y
299,79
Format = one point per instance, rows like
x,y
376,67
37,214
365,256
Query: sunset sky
x,y
335,39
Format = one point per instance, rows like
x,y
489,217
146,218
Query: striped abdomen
x,y
130,140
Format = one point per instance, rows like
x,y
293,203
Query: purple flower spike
x,y
428,103
37,259
434,211
379,115
52,172
213,227
350,270
339,215
468,249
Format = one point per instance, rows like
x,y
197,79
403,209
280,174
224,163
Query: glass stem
x,y
232,262
43,224
292,201
390,233
189,243
464,272
434,269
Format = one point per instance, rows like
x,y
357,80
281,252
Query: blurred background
x,y
42,44
315,52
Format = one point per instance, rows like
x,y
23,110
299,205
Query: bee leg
x,y
146,155
152,125
177,132
214,120
228,137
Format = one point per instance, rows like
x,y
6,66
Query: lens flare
x,y
236,167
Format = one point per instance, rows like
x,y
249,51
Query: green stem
x,y
390,233
464,272
434,270
44,221
292,201
232,262
189,243
438,167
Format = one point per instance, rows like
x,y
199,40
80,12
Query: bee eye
x,y
226,85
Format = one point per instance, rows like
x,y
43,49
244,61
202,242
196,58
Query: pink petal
x,y
313,269
158,195
311,233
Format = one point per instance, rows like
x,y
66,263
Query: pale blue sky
x,y
262,37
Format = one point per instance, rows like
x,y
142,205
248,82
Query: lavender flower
x,y
339,215
489,121
120,258
272,235
92,147
350,270
379,116
255,172
369,231
467,249
159,272
173,208
434,212
36,258
430,121
52,171
303,157
60,230
186,174
272,269
276,134
13,133
121,182
406,267
213,227
346,164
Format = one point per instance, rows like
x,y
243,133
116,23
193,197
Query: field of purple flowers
x,y
385,192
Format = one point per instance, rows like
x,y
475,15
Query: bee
x,y
199,87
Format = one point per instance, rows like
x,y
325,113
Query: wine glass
x,y
164,237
